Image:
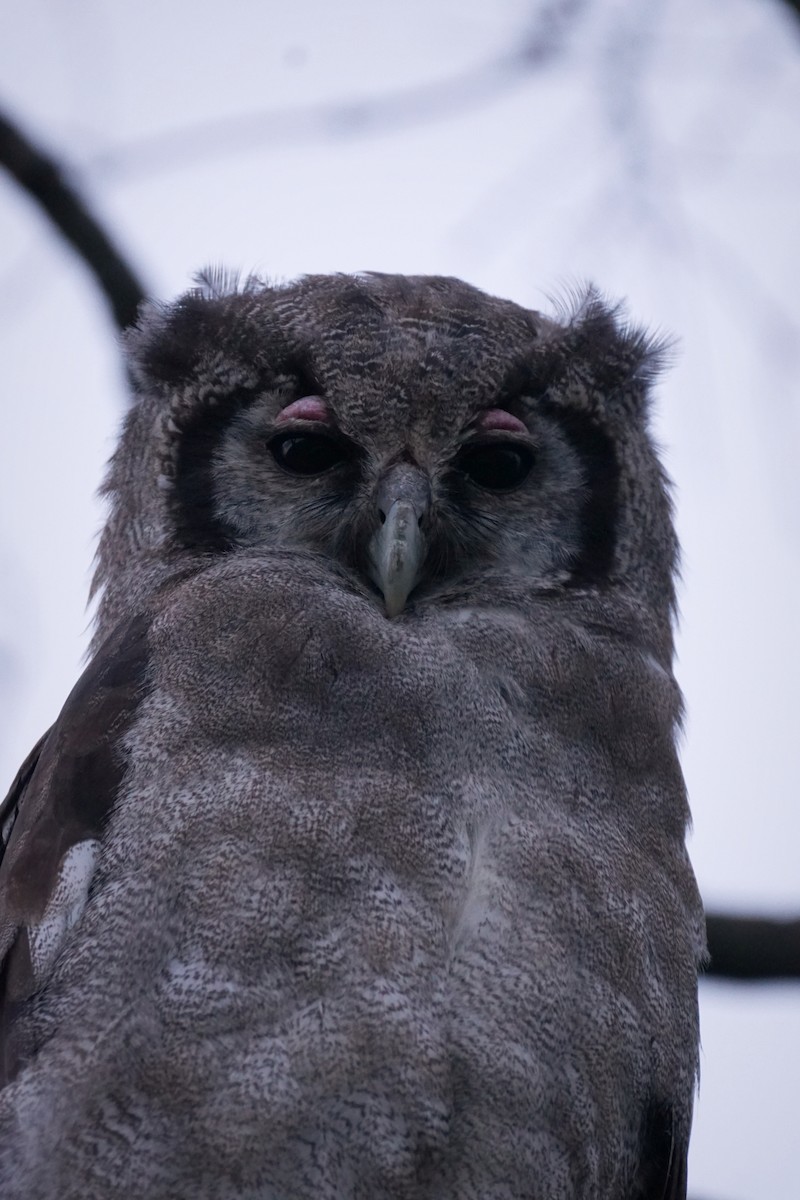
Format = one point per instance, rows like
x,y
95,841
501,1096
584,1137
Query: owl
x,y
354,866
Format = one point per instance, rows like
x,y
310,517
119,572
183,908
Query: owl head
x,y
423,441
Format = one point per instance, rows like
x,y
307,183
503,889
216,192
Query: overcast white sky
x,y
655,150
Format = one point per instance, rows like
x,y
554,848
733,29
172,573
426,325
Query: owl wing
x,y
671,1185
663,1164
52,824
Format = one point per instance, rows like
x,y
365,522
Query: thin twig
x,y
372,115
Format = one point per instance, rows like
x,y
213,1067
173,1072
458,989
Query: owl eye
x,y
306,453
498,466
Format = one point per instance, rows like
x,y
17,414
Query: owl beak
x,y
398,546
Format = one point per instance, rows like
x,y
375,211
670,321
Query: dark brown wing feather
x,y
62,796
10,806
663,1173
677,1182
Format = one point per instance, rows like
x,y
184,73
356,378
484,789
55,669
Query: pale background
x,y
651,147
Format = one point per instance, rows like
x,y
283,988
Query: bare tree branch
x,y
754,948
44,180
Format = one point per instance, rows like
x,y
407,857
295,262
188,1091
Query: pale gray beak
x,y
397,549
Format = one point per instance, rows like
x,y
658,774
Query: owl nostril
x,y
400,481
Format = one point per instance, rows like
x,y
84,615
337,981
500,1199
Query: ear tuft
x,y
172,344
621,356
215,281
168,343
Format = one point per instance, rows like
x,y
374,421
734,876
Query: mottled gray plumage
x,y
354,866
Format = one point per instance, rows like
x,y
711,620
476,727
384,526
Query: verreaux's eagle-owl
x,y
354,866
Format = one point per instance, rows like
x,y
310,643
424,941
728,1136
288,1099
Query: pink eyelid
x,y
498,418
307,408
314,408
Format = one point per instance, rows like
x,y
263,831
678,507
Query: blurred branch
x,y
351,118
44,178
754,948
44,181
